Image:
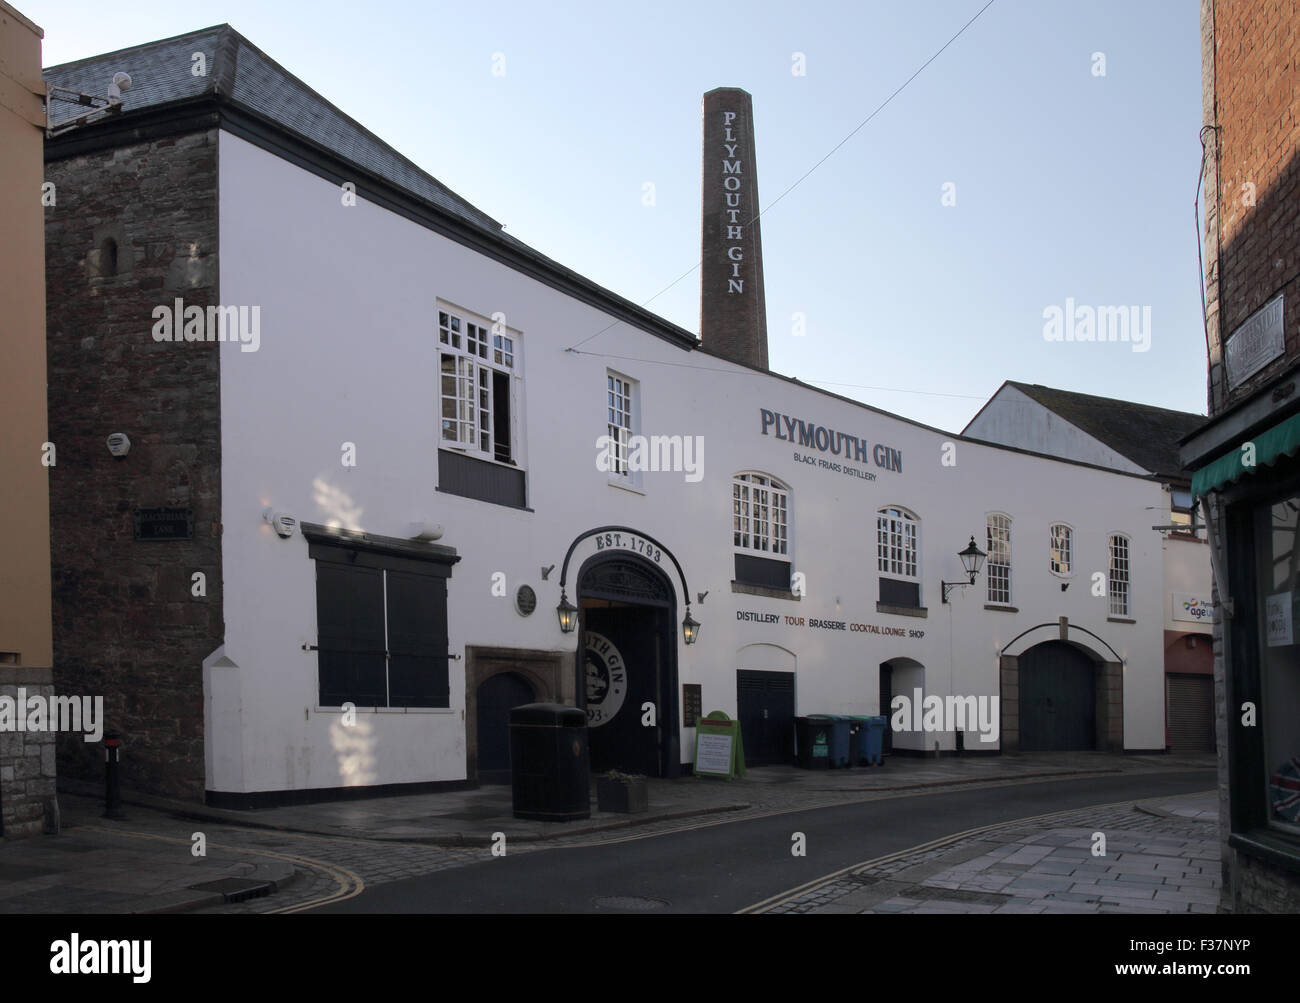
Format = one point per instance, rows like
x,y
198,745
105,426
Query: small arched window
x,y
102,260
1119,580
760,514
108,257
897,533
998,567
898,556
1061,554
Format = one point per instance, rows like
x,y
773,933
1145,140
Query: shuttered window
x,y
417,640
381,623
350,629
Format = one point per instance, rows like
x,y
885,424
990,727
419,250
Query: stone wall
x,y
28,802
134,227
1258,887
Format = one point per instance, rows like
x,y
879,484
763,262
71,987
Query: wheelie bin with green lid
x,y
813,739
838,728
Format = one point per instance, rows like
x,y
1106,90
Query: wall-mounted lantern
x,y
690,629
568,614
972,559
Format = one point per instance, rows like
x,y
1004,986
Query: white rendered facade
x,y
349,354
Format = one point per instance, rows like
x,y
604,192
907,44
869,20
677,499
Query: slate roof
x,y
239,71
1144,434
241,75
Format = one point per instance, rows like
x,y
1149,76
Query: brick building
x,y
1246,471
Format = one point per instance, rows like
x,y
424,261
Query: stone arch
x,y
900,675
542,670
1107,682
765,656
628,607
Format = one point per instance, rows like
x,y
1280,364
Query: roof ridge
x,y
1110,400
157,43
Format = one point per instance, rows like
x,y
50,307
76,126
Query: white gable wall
x,y
1015,419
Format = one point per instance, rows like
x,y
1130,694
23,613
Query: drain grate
x,y
634,903
235,889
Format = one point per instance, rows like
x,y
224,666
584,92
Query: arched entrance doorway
x,y
903,677
496,696
629,659
765,690
1058,698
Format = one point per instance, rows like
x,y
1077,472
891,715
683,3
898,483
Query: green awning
x,y
1283,439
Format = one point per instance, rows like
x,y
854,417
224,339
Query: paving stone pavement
x,y
145,863
1160,856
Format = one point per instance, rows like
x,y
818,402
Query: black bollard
x,y
112,782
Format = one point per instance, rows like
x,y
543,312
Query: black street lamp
x,y
690,629
568,614
972,559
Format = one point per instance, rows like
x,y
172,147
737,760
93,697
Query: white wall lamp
x,y
283,523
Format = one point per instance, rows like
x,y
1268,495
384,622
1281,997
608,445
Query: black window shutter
x,y
896,593
755,570
350,629
417,640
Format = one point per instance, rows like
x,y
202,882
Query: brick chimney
x,y
733,312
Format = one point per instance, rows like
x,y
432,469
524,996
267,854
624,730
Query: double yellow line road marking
x,y
818,883
348,883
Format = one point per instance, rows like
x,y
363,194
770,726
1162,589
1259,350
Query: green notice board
x,y
718,748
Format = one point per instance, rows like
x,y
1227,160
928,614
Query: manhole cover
x,y
234,889
634,902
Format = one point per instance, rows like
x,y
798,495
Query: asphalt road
x,y
722,868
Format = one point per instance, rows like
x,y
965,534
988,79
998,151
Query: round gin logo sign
x,y
606,680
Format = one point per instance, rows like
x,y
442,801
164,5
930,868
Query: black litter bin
x,y
813,738
550,774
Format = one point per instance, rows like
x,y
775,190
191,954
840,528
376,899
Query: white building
x,y
1139,439
413,369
